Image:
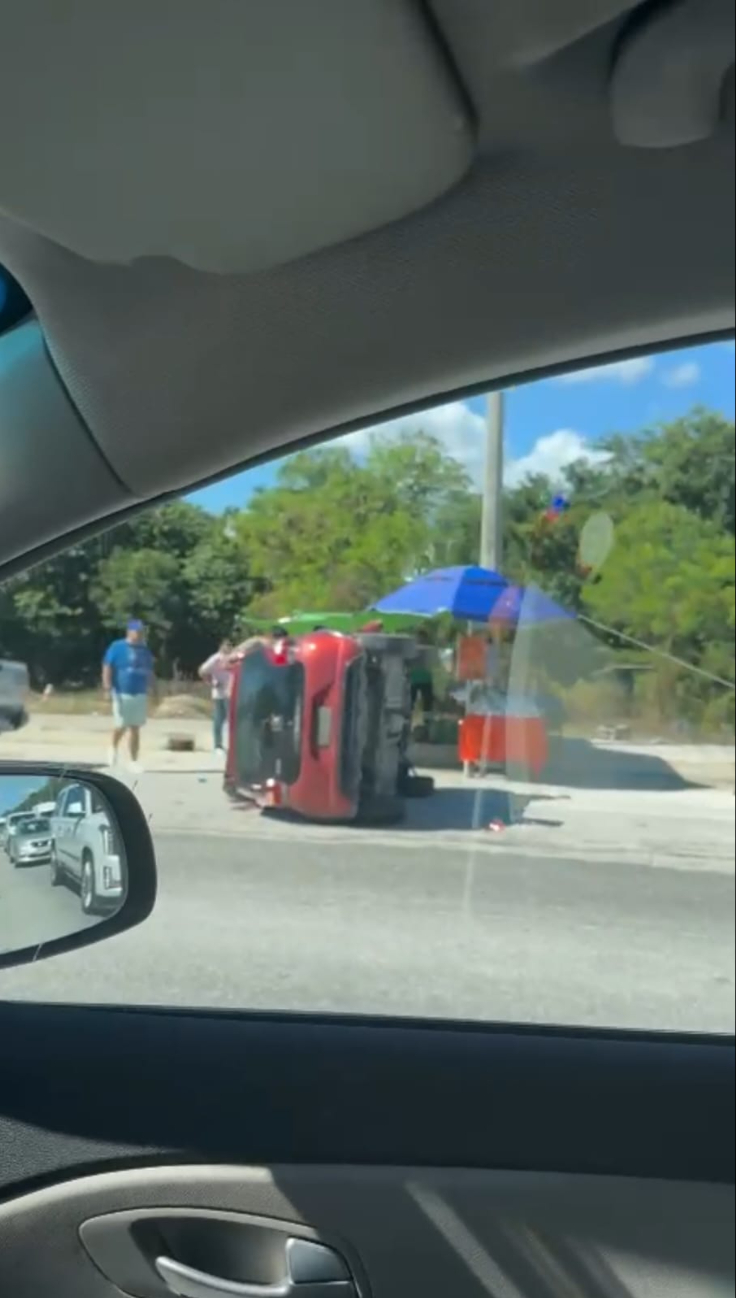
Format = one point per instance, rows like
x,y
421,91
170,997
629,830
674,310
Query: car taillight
x,y
283,653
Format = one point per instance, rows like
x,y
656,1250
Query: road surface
x,y
434,927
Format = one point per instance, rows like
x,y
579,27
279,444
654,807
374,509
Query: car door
x,y
59,828
75,811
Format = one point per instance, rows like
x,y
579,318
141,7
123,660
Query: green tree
x,y
693,464
337,532
176,529
49,618
669,582
146,584
218,582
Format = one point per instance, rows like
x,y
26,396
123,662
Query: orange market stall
x,y
496,730
502,725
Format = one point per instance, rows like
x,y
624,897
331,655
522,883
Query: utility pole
x,y
491,529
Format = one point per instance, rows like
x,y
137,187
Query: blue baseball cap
x,y
135,624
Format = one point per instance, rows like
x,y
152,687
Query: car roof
x,y
439,198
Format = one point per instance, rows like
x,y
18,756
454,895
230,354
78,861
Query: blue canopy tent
x,y
522,606
466,593
472,594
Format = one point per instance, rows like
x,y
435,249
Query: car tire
x,y
57,874
91,904
416,786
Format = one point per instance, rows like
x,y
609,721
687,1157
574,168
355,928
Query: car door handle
x,y
313,1271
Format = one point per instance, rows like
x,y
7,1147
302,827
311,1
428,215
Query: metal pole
x,y
491,530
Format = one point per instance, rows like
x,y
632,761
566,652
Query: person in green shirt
x,y
421,684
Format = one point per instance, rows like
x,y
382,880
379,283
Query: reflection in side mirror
x,y
76,860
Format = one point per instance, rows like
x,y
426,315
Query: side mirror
x,y
57,895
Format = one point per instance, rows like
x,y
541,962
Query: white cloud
x,y
628,372
461,433
552,454
682,376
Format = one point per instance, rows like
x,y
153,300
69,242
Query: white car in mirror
x,y
84,850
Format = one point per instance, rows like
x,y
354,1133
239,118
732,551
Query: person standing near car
x,y
127,676
421,679
218,671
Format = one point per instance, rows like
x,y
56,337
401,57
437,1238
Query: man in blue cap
x,y
127,676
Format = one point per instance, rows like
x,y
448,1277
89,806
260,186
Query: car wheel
x,y
57,874
88,888
416,786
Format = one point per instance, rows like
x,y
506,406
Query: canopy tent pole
x,y
491,533
491,526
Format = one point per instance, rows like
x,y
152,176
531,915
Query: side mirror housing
x,y
105,883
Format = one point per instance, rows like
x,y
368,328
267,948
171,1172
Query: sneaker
x,y
135,768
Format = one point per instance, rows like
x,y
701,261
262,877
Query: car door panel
x,y
75,815
544,1100
75,847
60,829
468,1152
399,1231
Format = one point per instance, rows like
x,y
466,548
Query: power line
x,y
659,653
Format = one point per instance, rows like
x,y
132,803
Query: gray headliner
x,y
203,146
558,245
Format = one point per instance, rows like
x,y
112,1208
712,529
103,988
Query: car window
x,y
97,804
75,802
38,826
441,720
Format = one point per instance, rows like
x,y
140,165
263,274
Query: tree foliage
x,y
338,529
335,532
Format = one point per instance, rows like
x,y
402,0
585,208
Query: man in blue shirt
x,y
127,676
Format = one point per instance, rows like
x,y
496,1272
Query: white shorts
x,y
129,710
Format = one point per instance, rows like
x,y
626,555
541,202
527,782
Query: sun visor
x,y
43,445
669,77
232,136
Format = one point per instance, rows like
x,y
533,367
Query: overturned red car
x,y
320,726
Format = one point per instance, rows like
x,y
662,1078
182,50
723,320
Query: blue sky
x,y
553,421
14,788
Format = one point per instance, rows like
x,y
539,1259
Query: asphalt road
x,y
32,911
429,930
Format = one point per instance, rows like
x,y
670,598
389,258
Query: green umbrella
x,y
299,623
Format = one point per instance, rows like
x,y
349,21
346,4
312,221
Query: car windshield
x,y
268,695
16,823
40,826
490,777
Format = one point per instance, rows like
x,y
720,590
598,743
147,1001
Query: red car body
x,y
292,742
